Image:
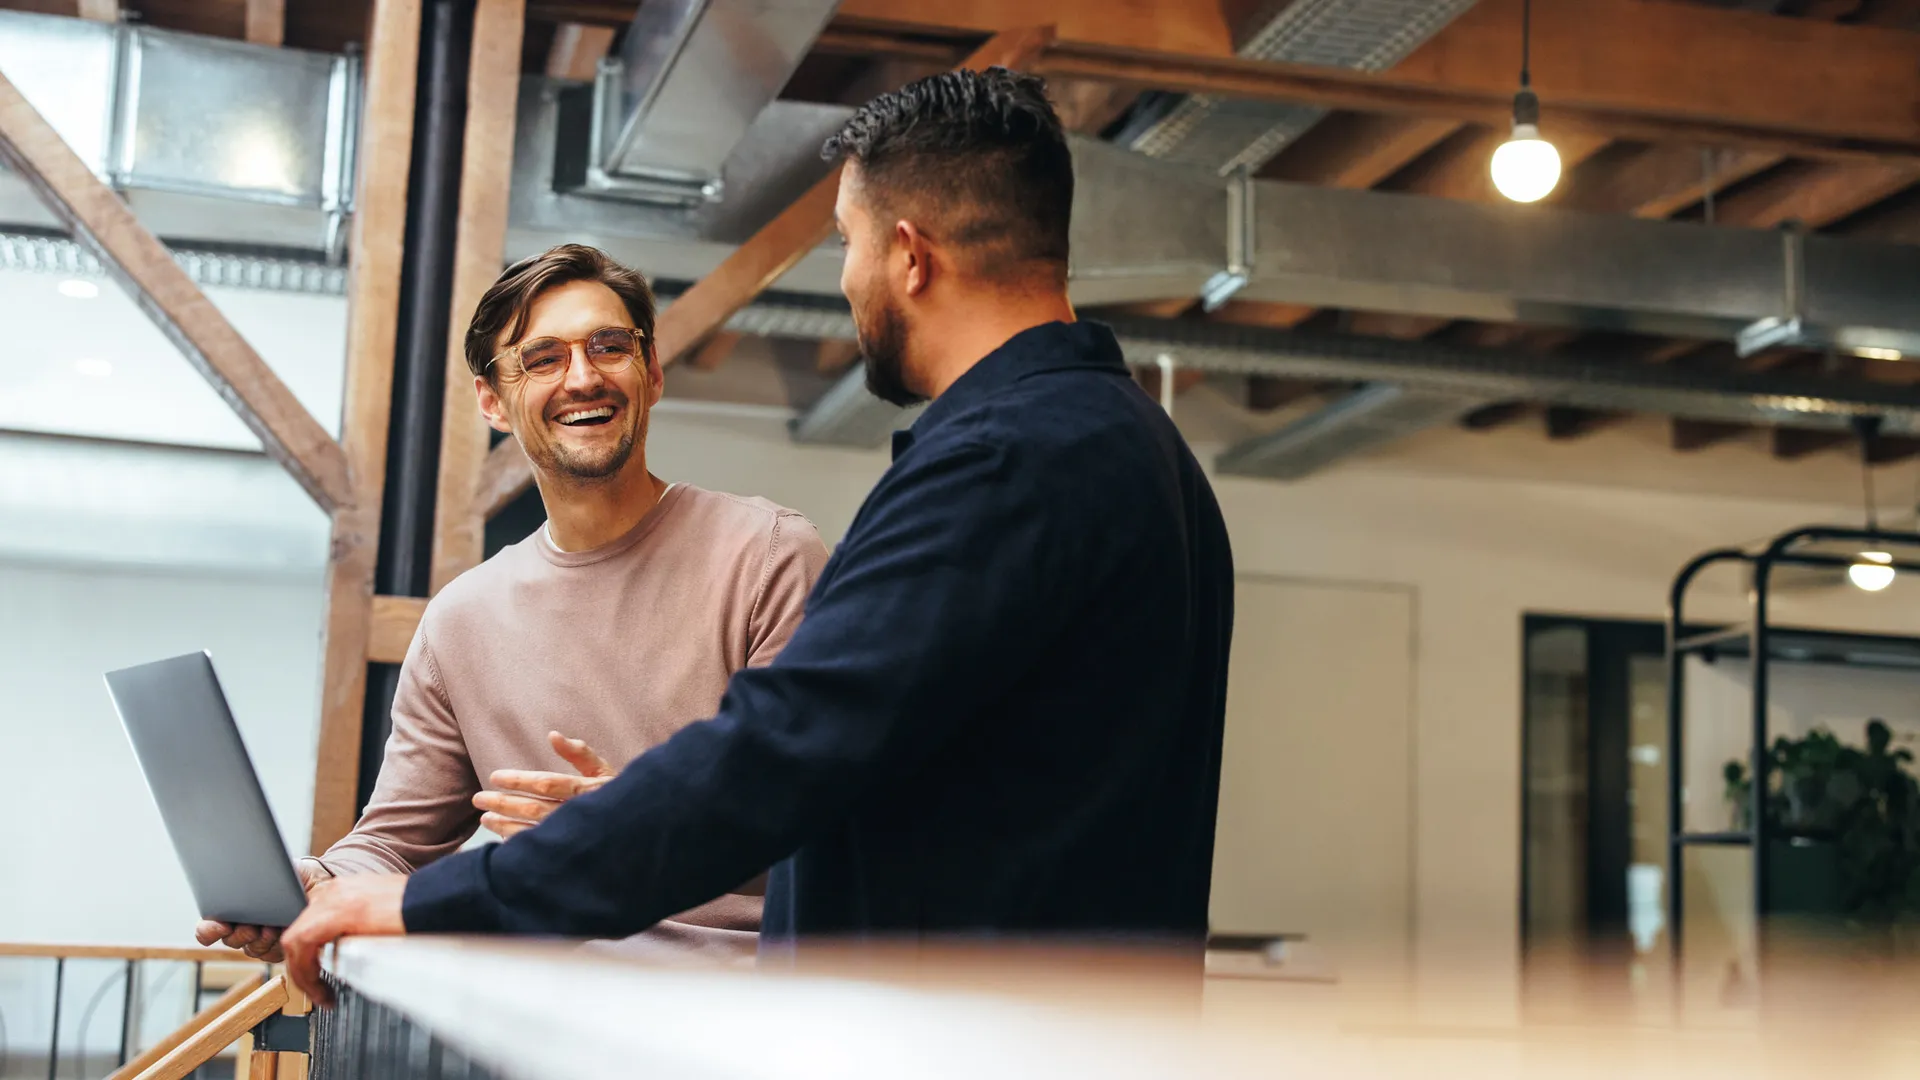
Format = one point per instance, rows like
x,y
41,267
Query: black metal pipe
x,y
405,560
126,1012
1676,745
53,1042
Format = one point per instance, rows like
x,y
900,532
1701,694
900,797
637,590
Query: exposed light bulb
x,y
1872,572
1526,167
77,289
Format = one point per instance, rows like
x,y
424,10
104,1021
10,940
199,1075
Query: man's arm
x,y
935,605
422,805
795,557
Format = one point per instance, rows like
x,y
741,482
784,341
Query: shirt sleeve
x,y
795,557
933,606
422,804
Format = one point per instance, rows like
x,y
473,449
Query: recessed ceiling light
x,y
93,367
78,289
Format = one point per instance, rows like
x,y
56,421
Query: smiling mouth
x,y
586,417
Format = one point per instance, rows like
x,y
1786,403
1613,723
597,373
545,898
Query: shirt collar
x,y
1054,346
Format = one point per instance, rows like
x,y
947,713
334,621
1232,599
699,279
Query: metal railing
x,y
104,1005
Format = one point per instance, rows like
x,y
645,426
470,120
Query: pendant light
x,y
1871,571
1526,167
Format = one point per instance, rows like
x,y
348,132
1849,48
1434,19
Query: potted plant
x,y
1843,825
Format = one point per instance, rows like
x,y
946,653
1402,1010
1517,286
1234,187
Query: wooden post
x,y
267,22
486,176
102,224
373,297
746,273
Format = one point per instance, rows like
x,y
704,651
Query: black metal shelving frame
x,y
1765,645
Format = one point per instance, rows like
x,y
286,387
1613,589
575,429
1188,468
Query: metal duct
x,y
53,255
1468,373
1362,420
692,77
1223,135
1496,374
848,415
185,126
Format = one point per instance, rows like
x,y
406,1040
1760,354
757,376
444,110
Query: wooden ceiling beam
x,y
1266,393
577,51
1660,181
1688,436
1792,444
1632,69
266,22
1498,415
1357,150
1565,422
1814,193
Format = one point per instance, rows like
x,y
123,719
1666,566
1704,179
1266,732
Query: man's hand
x,y
259,942
526,797
359,904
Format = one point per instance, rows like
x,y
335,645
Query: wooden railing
x,y
253,994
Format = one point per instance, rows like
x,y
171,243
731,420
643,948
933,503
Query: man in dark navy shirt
x,y
1002,714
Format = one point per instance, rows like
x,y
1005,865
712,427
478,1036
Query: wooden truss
x,y
347,477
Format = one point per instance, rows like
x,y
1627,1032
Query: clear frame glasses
x,y
610,349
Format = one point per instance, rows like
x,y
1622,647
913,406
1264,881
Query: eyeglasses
x,y
610,349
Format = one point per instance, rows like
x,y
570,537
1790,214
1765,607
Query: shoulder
x,y
474,595
722,519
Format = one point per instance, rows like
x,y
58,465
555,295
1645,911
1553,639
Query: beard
x,y
577,463
883,352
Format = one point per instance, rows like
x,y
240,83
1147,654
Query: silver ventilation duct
x,y
1363,419
211,140
53,255
848,415
1450,377
1223,135
691,79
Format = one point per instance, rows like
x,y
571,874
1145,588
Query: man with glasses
x,y
621,619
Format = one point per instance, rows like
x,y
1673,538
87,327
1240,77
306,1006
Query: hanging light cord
x,y
1526,43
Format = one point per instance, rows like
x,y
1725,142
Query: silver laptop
x,y
209,796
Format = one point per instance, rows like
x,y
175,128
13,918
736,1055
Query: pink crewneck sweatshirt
x,y
621,646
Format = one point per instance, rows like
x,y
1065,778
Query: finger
x,y
303,942
578,754
210,931
549,785
241,937
502,826
520,806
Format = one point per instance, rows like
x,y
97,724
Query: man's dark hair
x,y
508,304
979,158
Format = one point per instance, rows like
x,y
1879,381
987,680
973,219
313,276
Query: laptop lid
x,y
209,796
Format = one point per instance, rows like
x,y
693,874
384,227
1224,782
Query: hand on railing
x,y
361,904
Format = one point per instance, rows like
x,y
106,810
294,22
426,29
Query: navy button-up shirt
x,y
1002,713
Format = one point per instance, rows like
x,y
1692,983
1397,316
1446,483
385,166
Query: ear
x,y
656,377
491,406
917,257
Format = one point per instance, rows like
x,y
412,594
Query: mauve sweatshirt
x,y
622,646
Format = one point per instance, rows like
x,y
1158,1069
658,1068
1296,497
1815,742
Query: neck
x,y
584,514
973,330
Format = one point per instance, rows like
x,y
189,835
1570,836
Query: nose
x,y
582,377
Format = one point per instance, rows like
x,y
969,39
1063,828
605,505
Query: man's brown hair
x,y
508,304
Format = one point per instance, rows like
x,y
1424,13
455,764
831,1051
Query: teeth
x,y
585,414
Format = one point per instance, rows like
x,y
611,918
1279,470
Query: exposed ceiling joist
x,y
1607,68
577,51
1688,436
